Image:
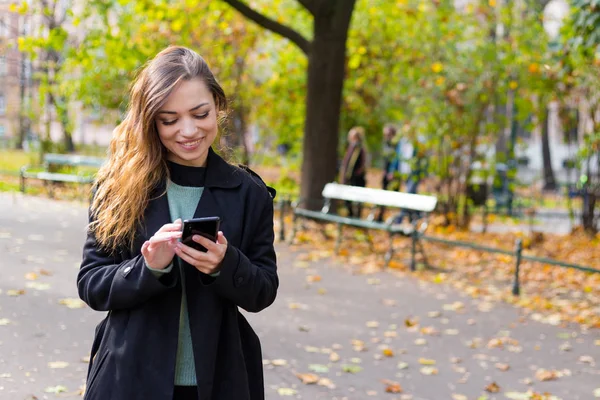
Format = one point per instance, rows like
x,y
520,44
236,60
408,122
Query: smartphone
x,y
207,227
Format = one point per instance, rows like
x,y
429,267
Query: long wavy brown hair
x,y
136,163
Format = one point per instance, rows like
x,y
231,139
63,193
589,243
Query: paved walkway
x,y
359,322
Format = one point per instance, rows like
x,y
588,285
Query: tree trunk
x,y
62,111
588,217
326,64
549,180
23,126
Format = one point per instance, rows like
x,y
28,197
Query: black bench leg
x,y
422,251
413,262
294,229
338,240
390,253
282,220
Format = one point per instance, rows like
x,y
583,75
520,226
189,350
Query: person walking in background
x,y
390,154
173,330
354,165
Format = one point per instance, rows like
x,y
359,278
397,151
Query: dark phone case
x,y
207,227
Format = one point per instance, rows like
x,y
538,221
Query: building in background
x,y
15,72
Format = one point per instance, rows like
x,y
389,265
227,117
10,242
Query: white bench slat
x,y
57,177
380,197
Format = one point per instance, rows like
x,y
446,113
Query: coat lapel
x,y
157,214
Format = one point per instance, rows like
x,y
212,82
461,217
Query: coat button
x,y
239,280
127,270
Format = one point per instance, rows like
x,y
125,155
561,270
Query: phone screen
x,y
207,227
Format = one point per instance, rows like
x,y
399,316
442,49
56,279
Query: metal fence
x,y
284,204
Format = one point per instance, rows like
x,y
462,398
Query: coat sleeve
x,y
250,280
108,282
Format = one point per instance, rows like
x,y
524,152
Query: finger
x,y
221,238
171,227
206,242
161,237
145,247
200,256
191,260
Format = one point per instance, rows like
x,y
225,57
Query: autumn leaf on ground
x,y
31,276
56,389
391,386
420,342
358,345
334,357
286,392
58,364
313,278
456,306
15,293
388,352
430,330
502,367
546,375
429,371
372,324
459,397
37,285
318,368
426,361
597,393
4,321
587,360
326,382
350,368
308,379
72,303
278,362
492,388
410,322
402,365
298,306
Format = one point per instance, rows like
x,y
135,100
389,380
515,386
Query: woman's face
x,y
353,137
187,123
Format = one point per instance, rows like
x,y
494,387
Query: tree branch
x,y
309,5
271,25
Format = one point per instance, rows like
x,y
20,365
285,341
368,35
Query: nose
x,y
189,127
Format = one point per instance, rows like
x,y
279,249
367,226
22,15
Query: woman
x,y
173,329
353,171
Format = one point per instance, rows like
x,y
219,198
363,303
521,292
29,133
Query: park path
x,y
430,340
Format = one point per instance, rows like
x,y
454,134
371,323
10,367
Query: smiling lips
x,y
191,144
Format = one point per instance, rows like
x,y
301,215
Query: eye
x,y
169,122
202,116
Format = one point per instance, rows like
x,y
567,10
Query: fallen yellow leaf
x,y
308,379
58,364
388,353
31,276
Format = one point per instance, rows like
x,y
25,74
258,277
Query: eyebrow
x,y
191,109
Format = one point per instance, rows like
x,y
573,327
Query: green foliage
x,y
585,25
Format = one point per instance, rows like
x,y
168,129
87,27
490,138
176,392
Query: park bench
x,y
54,170
417,206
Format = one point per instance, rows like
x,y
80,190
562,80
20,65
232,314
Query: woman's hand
x,y
160,249
207,262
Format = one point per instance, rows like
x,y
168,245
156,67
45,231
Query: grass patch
x,y
9,186
11,161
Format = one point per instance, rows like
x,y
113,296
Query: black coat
x,y
134,350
